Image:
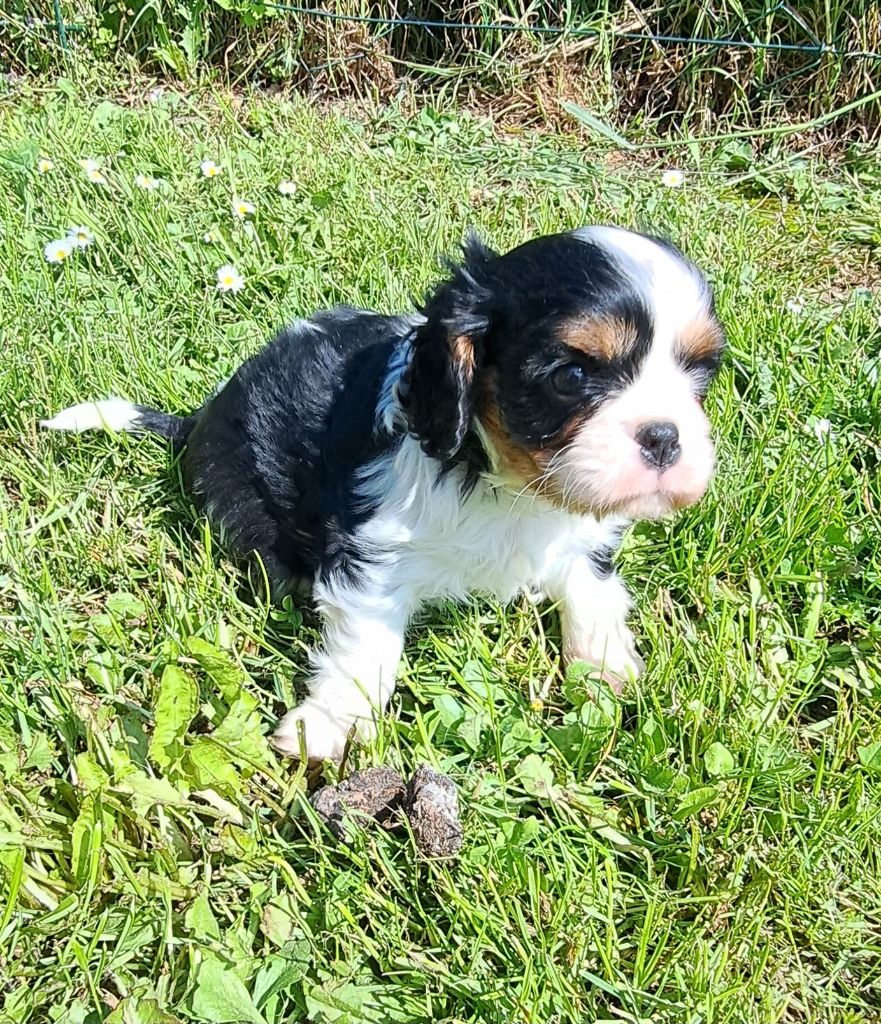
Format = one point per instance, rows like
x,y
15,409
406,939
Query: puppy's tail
x,y
117,415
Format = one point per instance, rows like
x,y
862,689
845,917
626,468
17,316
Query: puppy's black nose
x,y
659,443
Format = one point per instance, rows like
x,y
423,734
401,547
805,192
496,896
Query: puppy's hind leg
x,y
353,674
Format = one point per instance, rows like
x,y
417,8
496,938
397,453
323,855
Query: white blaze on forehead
x,y
674,292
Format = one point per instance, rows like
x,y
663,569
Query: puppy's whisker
x,y
534,485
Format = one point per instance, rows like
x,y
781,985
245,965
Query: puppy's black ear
x,y
447,351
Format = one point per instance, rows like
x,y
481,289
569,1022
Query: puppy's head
x,y
581,360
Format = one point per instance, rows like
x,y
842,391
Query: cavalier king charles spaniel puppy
x,y
501,439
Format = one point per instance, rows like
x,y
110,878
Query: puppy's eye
x,y
569,379
702,369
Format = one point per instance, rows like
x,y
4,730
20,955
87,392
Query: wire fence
x,y
763,31
816,46
813,46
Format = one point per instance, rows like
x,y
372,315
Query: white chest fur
x,y
424,542
434,544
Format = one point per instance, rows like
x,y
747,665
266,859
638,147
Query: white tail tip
x,y
112,414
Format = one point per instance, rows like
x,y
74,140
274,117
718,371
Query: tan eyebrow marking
x,y
607,338
701,339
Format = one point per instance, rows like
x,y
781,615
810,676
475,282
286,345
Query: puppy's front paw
x,y
325,734
613,653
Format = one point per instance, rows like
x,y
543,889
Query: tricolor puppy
x,y
501,439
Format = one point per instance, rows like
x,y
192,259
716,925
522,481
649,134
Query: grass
x,y
704,850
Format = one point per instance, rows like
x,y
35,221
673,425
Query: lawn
x,y
705,849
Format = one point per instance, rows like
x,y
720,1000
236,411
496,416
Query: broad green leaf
x,y
9,747
279,919
10,838
537,778
471,728
519,833
660,778
718,760
651,737
106,111
89,774
340,1002
20,158
474,676
450,710
279,972
146,791
73,1012
519,737
40,752
108,629
597,718
136,1009
220,996
582,685
870,757
66,86
18,1003
211,767
585,730
126,606
200,919
242,730
176,707
218,665
737,155
695,801
568,739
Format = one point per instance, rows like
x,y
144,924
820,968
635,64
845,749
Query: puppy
x,y
500,439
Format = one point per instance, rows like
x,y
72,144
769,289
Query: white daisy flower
x,y
796,306
80,237
673,178
287,188
89,165
58,250
210,169
229,279
147,182
242,209
821,429
96,177
211,237
44,165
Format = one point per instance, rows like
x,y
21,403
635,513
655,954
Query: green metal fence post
x,y
59,24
